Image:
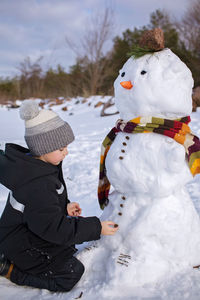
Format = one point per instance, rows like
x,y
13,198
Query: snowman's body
x,y
158,225
159,228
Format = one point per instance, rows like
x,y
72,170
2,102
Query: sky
x,y
38,28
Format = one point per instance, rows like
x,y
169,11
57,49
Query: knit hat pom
x,y
29,110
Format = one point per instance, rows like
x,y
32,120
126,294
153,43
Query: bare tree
x,y
189,27
91,50
30,77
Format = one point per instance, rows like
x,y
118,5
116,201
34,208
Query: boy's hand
x,y
108,228
73,209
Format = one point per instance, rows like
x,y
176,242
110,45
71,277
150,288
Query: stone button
x,y
121,205
127,137
123,151
120,157
124,143
123,198
120,214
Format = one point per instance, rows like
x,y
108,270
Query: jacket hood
x,y
18,167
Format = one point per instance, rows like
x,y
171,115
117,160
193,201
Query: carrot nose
x,y
126,84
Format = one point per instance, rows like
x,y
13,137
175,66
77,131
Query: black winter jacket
x,y
35,221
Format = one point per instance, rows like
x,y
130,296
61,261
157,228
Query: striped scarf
x,y
176,129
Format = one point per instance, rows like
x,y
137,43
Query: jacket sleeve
x,y
44,217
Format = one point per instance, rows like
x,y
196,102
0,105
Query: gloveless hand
x,y
73,209
108,228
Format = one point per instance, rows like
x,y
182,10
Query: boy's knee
x,y
74,271
78,267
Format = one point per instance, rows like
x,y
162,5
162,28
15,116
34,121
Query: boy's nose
x,y
65,151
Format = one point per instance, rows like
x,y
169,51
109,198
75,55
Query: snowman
x,y
145,164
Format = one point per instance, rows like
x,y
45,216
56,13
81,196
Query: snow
x,y
81,174
81,169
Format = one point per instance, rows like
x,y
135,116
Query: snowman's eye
x,y
123,74
143,72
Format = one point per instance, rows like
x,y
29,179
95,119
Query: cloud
x,y
135,13
39,27
34,28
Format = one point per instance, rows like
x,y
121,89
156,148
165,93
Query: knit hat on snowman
x,y
45,131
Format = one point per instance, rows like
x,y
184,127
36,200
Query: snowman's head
x,y
158,85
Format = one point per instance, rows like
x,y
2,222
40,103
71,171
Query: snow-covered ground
x,y
81,169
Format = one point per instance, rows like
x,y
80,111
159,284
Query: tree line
x,y
95,70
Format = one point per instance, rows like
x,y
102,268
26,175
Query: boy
x,y
39,226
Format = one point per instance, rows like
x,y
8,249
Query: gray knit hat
x,y
45,131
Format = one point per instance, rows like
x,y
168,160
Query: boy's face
x,y
54,157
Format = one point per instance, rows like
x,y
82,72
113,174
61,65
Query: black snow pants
x,y
60,278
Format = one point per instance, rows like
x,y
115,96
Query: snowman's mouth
x,y
126,85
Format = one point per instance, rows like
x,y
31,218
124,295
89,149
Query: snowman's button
x,y
123,151
120,214
127,137
121,205
124,143
120,157
123,198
